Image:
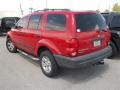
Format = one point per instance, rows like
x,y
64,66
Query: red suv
x,y
61,38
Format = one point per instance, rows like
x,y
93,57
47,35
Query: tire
x,y
114,50
0,34
10,46
48,64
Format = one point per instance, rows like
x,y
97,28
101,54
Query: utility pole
x,y
46,4
98,8
21,10
109,6
31,9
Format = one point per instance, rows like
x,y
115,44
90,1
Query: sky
x,y
14,5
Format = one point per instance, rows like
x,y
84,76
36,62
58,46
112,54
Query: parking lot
x,y
18,72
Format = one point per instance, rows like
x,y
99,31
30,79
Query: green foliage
x,y
116,7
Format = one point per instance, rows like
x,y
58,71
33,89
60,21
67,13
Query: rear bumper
x,y
76,62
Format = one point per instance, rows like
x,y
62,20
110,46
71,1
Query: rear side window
x,y
22,23
89,22
115,21
56,22
35,22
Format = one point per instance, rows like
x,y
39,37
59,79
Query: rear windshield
x,y
89,22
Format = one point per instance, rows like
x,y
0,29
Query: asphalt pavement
x,y
19,72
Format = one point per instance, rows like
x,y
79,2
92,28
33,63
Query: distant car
x,y
113,21
61,38
6,23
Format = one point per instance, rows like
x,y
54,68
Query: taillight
x,y
73,47
73,43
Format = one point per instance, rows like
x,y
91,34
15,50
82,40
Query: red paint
x,y
58,42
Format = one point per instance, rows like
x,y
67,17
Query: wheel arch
x,y
8,36
41,49
46,45
112,40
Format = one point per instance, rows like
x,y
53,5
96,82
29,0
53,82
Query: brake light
x,y
73,43
73,47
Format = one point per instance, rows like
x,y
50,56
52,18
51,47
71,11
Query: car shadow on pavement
x,y
117,57
84,74
80,75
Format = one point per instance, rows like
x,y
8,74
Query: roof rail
x,y
38,10
46,9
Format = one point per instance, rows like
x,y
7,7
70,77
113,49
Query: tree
x,y
116,7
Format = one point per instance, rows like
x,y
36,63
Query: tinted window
x,y
0,22
35,22
115,21
10,22
88,22
22,23
56,22
17,18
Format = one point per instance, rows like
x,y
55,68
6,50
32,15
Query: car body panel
x,y
58,42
